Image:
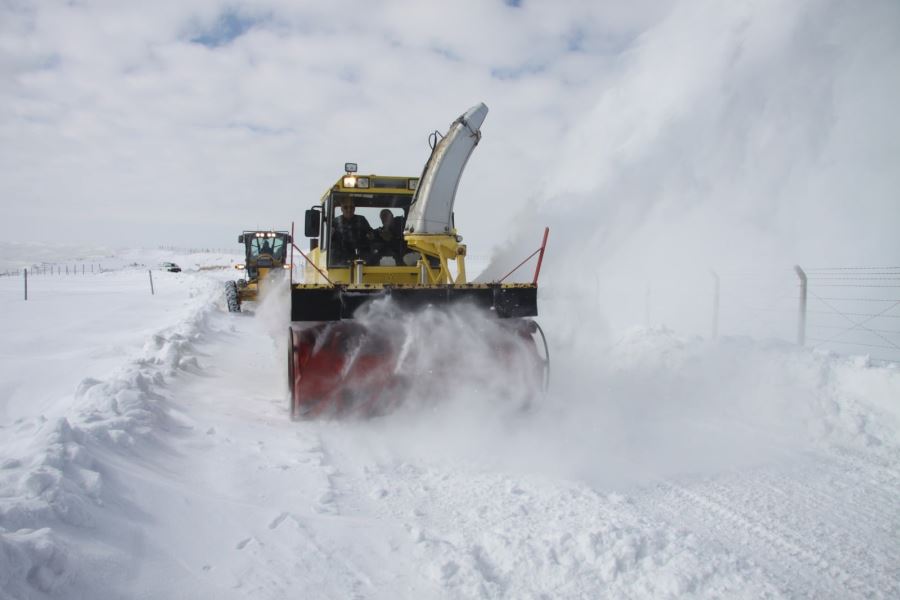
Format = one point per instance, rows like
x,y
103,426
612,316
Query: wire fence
x,y
856,308
55,269
84,267
849,310
198,250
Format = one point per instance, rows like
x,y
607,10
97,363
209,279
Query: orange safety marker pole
x,y
530,256
537,270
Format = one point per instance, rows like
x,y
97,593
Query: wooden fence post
x,y
801,317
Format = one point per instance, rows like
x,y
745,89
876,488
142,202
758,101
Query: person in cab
x,y
388,239
351,234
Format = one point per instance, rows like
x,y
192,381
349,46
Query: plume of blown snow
x,y
460,356
752,136
656,405
274,305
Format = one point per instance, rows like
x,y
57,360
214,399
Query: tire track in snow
x,y
475,533
814,552
799,542
272,482
879,472
867,485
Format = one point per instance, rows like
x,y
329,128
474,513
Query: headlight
x,y
362,182
349,181
412,184
238,266
287,266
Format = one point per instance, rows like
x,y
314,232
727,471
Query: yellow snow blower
x,y
412,258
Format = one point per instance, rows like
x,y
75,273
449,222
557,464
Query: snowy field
x,y
146,452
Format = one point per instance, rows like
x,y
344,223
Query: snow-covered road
x,y
662,467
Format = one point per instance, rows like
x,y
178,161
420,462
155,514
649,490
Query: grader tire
x,y
232,298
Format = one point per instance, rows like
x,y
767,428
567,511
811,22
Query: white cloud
x,y
210,113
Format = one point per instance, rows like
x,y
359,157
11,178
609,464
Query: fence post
x,y
801,322
26,283
149,272
715,323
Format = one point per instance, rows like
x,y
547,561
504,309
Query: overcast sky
x,y
642,131
153,121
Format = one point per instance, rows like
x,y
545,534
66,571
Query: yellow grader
x,y
414,259
264,263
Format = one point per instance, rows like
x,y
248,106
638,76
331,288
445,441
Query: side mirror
x,y
241,239
311,223
288,239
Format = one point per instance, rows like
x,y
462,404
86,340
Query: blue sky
x,y
229,26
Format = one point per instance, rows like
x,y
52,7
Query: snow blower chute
x,y
414,260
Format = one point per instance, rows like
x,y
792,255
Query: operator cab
x,y
266,249
362,217
365,227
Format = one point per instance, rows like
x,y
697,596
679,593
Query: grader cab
x,y
265,262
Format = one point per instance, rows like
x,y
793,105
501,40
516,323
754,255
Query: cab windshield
x,y
272,246
367,227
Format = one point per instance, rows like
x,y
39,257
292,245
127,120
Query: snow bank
x,y
657,404
54,475
142,258
772,385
